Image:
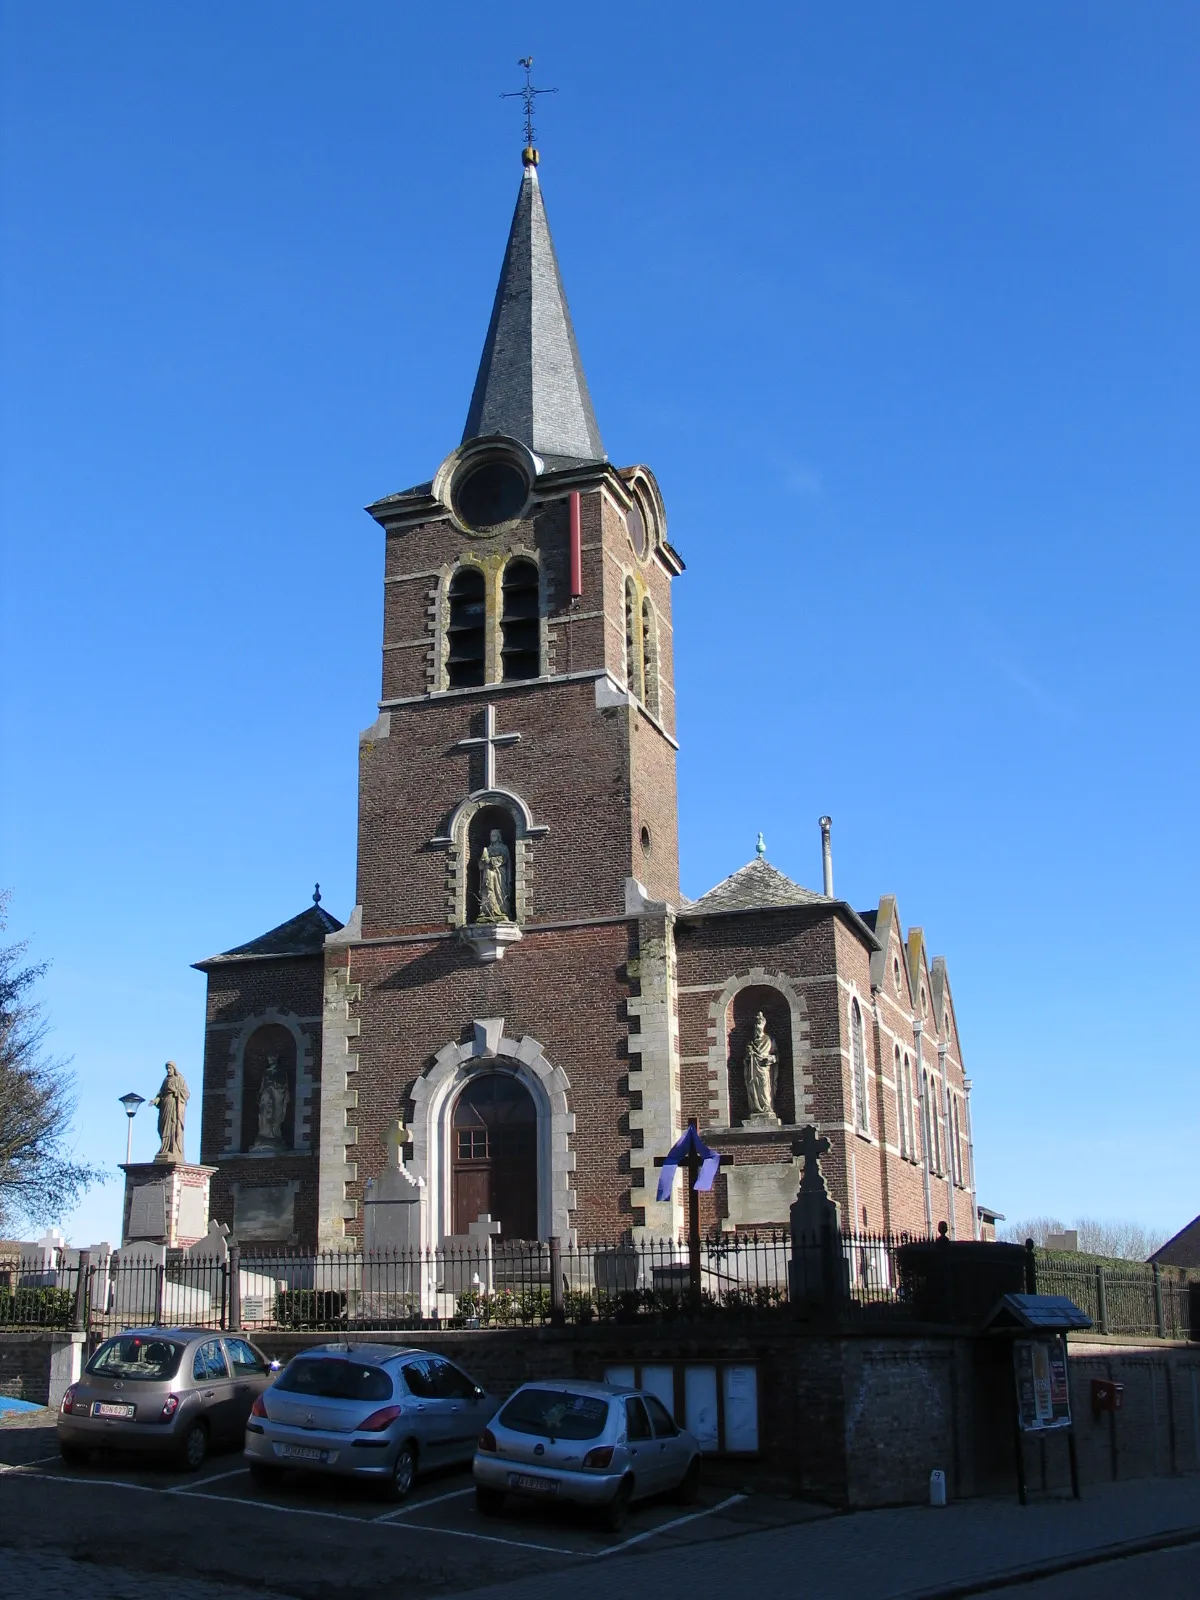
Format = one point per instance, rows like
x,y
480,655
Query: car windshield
x,y
336,1380
556,1414
145,1358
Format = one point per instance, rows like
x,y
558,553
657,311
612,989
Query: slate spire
x,y
531,384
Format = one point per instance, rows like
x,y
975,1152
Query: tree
x,y
38,1180
1121,1239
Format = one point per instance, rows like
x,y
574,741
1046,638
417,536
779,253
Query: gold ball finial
x,y
529,156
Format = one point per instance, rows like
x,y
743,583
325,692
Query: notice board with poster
x,y
1043,1394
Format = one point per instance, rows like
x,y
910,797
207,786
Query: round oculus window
x,y
647,842
490,494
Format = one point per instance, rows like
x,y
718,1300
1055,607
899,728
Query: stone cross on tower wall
x,y
489,742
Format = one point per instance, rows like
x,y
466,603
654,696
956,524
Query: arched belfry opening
x,y
493,1156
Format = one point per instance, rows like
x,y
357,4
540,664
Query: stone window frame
x,y
860,1089
456,841
434,1095
803,1083
492,567
302,1129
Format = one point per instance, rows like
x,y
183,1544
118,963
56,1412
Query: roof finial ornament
x,y
760,849
528,94
316,894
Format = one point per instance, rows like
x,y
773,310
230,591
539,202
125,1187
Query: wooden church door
x,y
494,1156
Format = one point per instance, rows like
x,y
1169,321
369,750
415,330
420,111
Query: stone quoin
x,y
522,1010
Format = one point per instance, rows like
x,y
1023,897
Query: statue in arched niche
x,y
495,880
761,1064
274,1096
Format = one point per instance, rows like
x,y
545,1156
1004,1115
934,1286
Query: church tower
x,y
517,796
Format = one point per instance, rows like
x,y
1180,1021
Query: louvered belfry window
x,y
650,657
633,641
465,629
520,625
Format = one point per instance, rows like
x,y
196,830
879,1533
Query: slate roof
x,y
1183,1250
756,885
531,384
299,936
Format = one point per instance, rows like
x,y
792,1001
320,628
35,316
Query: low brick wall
x,y
25,1366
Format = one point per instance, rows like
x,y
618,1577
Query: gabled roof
x,y
531,385
752,887
758,886
299,936
1183,1250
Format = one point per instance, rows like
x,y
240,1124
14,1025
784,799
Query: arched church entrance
x,y
494,1156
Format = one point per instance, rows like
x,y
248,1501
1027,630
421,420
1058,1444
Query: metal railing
x,y
1131,1298
883,1279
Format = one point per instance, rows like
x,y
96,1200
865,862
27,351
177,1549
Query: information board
x,y
1043,1395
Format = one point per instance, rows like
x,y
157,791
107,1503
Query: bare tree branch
x,y
38,1180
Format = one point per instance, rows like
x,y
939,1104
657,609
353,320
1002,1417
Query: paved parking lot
x,y
313,1537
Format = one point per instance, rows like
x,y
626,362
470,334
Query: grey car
x,y
369,1411
163,1391
592,1443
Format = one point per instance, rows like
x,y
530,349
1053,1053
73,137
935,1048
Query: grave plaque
x,y
148,1212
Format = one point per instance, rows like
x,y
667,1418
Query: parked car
x,y
591,1443
163,1391
369,1411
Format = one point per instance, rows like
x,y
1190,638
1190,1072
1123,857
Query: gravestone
x,y
147,1213
818,1274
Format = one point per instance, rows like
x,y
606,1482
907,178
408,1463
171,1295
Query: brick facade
x,y
622,1009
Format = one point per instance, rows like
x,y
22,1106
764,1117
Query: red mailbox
x,y
1106,1395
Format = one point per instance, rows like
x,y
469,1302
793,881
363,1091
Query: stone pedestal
x,y
761,1119
166,1202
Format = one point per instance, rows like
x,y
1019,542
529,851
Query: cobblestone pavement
x,y
54,1577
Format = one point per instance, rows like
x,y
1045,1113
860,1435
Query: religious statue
x,y
761,1064
495,881
274,1096
171,1099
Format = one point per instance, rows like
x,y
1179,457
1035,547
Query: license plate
x,y
518,1480
302,1452
104,1408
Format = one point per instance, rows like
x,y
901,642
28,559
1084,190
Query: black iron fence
x,y
1126,1297
881,1279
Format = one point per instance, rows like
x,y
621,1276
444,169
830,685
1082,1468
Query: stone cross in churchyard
x,y
489,742
818,1273
811,1146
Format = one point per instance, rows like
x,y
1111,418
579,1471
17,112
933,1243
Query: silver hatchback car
x,y
163,1391
371,1411
591,1443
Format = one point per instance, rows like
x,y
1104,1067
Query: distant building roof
x,y
303,935
1183,1250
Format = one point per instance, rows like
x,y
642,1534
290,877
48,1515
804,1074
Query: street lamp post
x,y
131,1102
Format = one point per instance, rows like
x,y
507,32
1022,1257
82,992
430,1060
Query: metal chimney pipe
x,y
827,856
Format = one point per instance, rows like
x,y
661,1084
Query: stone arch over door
x,y
237,1136
434,1095
722,1103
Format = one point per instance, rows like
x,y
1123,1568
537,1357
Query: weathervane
x,y
528,94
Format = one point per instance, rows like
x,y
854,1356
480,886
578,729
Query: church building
x,y
522,1011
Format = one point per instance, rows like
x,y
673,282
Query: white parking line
x,y
664,1527
404,1511
234,1472
88,1482
22,1466
269,1505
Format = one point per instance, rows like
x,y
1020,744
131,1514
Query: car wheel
x,y
488,1502
617,1511
689,1485
404,1472
193,1447
74,1455
264,1475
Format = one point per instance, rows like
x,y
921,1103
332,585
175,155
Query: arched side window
x,y
650,657
956,1163
633,652
520,626
939,1133
858,1064
465,629
926,1131
901,1102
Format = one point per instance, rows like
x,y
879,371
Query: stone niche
x,y
272,1039
743,1008
761,1195
264,1211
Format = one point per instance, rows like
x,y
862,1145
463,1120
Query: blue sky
x,y
899,304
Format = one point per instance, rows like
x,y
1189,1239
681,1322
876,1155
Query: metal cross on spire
x,y
528,94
